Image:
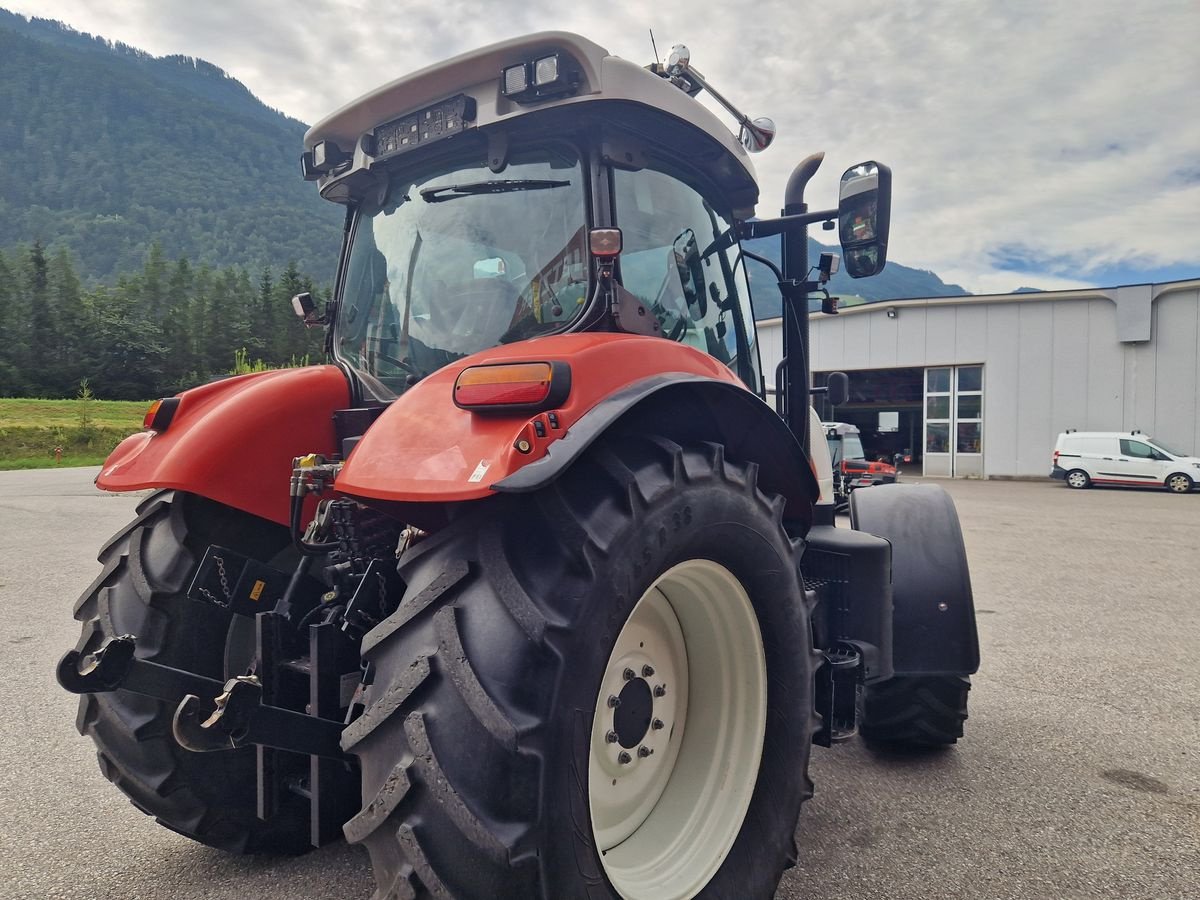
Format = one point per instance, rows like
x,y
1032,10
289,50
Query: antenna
x,y
654,48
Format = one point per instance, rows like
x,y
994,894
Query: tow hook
x,y
237,717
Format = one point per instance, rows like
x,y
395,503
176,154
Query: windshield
x,y
1161,446
846,446
455,258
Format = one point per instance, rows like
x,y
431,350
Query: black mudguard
x,y
688,409
933,610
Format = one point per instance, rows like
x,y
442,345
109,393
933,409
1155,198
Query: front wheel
x,y
601,689
1179,483
916,710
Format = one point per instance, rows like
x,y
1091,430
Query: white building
x,y
981,386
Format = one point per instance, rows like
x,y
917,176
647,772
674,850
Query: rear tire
x,y
1078,479
916,710
479,741
148,565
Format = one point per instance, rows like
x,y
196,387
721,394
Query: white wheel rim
x,y
665,809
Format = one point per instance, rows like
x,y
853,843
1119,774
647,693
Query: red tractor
x,y
851,468
528,590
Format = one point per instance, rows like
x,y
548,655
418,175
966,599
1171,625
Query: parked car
x,y
1084,458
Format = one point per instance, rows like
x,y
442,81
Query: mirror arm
x,y
744,231
769,227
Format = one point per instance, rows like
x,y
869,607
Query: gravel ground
x,y
1079,776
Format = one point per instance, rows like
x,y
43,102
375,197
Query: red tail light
x,y
513,387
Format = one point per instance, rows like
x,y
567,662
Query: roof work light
x,y
551,75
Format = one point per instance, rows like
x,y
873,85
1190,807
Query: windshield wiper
x,y
501,186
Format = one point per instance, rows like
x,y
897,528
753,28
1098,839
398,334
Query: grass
x,y
86,430
125,414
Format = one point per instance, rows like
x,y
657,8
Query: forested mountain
x,y
165,326
153,222
109,149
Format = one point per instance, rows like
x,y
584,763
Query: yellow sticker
x,y
256,591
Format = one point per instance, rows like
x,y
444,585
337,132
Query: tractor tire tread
x,y
916,710
209,798
432,822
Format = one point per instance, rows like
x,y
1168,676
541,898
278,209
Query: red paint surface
x,y
233,441
424,448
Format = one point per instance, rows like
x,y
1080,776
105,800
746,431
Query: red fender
x,y
233,441
425,449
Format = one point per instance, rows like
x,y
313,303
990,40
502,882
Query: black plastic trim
x,y
749,429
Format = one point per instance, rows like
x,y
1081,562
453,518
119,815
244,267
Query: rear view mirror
x,y
489,268
686,254
302,305
839,388
864,214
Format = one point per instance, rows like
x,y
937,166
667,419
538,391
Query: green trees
x,y
158,330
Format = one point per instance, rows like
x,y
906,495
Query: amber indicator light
x,y
160,414
520,384
148,421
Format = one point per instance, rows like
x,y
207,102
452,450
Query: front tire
x,y
916,710
485,742
1179,483
148,565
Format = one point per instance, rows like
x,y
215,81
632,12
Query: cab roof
x,y
603,77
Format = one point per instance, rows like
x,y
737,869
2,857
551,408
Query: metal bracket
x,y
839,694
237,717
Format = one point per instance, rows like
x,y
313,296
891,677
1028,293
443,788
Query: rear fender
x,y
688,409
233,441
933,615
424,449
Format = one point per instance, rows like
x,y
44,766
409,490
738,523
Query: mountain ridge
x,y
177,151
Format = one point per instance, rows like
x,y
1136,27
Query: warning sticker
x,y
256,591
480,471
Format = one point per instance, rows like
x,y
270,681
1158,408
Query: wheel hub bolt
x,y
629,675
611,737
644,751
647,671
624,758
660,690
658,724
613,701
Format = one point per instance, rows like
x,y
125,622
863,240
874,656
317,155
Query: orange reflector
x,y
160,414
148,421
513,386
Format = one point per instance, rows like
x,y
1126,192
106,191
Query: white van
x,y
1084,458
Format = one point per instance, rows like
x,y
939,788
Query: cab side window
x,y
699,299
1137,450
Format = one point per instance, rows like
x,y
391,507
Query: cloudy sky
x,y
1050,143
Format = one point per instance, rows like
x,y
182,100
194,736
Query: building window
x,y
969,393
937,410
954,420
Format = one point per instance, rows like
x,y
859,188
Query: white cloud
x,y
1066,135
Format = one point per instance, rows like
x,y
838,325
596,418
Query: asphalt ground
x,y
1079,776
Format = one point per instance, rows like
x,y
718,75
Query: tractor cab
x,y
478,194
